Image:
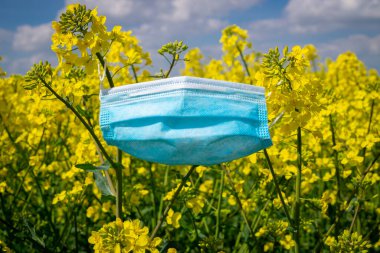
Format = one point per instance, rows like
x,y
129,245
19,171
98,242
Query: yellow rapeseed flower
x,y
173,218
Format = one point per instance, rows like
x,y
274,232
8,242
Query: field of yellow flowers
x,y
62,189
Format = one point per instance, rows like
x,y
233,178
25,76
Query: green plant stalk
x,y
30,169
219,204
237,241
210,204
48,212
336,162
108,74
134,73
265,151
153,196
237,199
204,222
76,234
119,185
244,63
351,197
108,177
119,174
297,203
374,228
355,217
64,231
171,66
69,220
176,193
257,219
162,195
20,240
193,223
279,193
369,126
118,167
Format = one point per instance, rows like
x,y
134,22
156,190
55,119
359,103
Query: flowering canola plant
x,y
63,189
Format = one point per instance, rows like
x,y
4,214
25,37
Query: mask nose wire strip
x,y
101,76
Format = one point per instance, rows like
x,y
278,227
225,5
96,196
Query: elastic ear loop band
x,y
101,76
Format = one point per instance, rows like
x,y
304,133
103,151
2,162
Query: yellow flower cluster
x,y
48,203
120,237
80,45
334,106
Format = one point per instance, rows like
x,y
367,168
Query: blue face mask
x,y
185,120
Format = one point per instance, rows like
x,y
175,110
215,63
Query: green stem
x,y
237,241
355,217
256,221
162,195
171,67
119,185
184,180
193,223
108,177
45,207
279,193
369,127
297,203
82,120
21,240
374,228
204,222
134,73
354,192
153,196
117,166
210,204
69,219
219,205
76,234
244,63
336,162
238,199
108,74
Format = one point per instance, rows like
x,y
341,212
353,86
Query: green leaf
x,y
86,166
92,168
244,249
105,198
100,179
102,184
83,112
34,234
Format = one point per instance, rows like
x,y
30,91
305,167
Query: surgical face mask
x,y
185,120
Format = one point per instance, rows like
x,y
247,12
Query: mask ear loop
x,y
101,76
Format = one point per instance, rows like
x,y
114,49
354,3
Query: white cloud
x,y
367,48
31,38
157,22
188,10
267,29
110,8
315,17
197,22
165,10
5,36
364,45
310,16
333,10
21,65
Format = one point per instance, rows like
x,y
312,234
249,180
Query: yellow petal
x,y
117,248
142,241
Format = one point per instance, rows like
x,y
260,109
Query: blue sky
x,y
334,26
